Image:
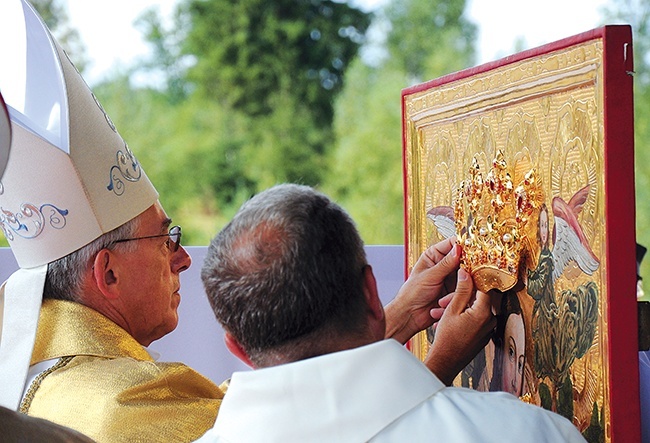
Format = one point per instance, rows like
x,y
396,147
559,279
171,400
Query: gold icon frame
x,y
565,109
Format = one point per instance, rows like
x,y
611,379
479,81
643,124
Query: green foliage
x,y
642,171
430,38
427,40
166,61
285,146
249,51
366,166
277,66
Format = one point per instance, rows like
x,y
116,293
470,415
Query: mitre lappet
x,y
70,177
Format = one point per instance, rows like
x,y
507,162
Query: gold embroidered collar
x,y
67,328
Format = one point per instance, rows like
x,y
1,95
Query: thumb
x,y
483,301
447,264
433,255
464,292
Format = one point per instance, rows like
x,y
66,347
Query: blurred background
x,y
220,99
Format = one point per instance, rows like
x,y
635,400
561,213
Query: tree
x,y
249,51
430,38
166,62
427,39
279,64
365,168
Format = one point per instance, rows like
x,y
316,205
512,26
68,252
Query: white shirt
x,y
377,393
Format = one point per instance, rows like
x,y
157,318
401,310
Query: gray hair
x,y
64,279
286,274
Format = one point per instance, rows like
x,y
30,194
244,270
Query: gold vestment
x,y
111,389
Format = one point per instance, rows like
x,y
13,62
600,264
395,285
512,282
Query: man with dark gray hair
x,y
289,281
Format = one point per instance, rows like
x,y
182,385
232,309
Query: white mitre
x,y
70,178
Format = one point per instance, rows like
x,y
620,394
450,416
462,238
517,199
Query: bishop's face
x,y
151,289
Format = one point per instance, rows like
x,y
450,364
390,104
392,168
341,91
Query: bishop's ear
x,y
104,273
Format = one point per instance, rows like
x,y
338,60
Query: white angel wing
x,y
569,247
443,218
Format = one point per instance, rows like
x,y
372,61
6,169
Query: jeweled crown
x,y
496,222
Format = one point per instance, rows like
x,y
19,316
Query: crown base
x,y
487,278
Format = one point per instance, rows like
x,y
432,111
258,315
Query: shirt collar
x,y
360,390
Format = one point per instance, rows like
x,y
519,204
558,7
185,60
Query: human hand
x,y
431,278
466,323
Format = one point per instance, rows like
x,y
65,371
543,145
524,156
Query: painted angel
x,y
563,324
443,218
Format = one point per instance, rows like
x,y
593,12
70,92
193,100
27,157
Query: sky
x,y
111,40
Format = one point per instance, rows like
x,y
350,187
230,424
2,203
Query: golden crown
x,y
496,222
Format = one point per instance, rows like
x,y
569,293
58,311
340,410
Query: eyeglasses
x,y
173,242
